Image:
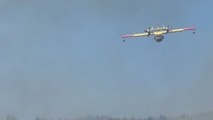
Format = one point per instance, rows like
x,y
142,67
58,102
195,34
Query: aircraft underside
x,y
159,38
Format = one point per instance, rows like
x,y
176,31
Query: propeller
x,y
168,29
149,31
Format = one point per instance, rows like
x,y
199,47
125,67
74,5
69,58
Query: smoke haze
x,y
65,58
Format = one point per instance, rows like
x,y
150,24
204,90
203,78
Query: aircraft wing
x,y
172,31
134,35
181,30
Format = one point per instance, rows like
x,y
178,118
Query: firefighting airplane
x,y
158,32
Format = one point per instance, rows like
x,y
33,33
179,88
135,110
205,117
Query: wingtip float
x,y
157,32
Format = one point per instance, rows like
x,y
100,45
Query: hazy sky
x,y
65,58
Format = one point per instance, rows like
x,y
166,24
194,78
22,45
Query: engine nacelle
x,y
159,38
